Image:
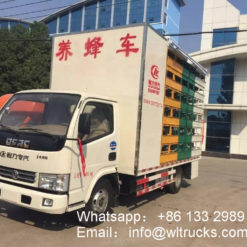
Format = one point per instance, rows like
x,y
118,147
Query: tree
x,y
24,58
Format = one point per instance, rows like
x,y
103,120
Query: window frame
x,y
224,35
103,135
166,4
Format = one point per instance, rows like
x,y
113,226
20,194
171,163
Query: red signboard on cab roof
x,y
4,99
27,106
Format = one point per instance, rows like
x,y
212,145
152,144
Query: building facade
x,y
10,22
224,54
163,15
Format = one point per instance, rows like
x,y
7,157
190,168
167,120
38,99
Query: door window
x,y
100,123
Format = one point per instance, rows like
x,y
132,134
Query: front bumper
x,y
32,199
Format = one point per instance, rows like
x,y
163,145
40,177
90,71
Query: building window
x,y
175,113
174,148
166,130
154,11
178,79
165,149
185,83
13,23
52,26
169,74
181,131
64,23
26,25
167,112
105,13
90,16
229,36
136,11
168,93
190,100
3,24
183,115
184,99
218,131
165,18
76,19
171,55
177,96
175,131
120,12
221,82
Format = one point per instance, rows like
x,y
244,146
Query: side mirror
x,y
84,124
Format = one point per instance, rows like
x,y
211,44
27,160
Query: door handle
x,y
112,156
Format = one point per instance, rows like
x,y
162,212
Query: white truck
x,y
99,129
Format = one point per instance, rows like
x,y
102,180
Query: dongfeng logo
x,y
17,143
15,174
155,72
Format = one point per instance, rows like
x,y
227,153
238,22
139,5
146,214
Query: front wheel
x,y
174,188
100,201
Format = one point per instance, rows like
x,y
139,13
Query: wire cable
x,y
60,7
205,32
178,34
7,1
23,5
38,11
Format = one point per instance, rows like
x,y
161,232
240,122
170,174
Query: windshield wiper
x,y
8,128
39,131
33,129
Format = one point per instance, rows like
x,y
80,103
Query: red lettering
x,y
93,46
127,46
64,50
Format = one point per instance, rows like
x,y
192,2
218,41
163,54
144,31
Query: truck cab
x,y
41,162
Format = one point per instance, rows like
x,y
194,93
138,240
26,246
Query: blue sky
x,y
191,15
39,9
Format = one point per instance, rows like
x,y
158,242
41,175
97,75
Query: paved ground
x,y
222,185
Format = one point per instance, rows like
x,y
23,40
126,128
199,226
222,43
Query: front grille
x,y
17,175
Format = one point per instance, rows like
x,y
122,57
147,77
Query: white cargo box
x,y
127,65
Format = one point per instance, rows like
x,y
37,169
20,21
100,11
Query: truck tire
x,y
100,201
174,188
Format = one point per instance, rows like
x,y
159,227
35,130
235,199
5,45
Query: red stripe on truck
x,y
142,181
164,174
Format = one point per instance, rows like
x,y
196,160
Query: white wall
x,y
217,14
240,83
207,80
205,130
239,133
242,36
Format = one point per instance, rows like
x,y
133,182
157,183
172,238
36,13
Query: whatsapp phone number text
x,y
203,216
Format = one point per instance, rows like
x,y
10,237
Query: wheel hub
x,y
100,201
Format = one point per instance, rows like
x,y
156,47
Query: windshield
x,y
38,114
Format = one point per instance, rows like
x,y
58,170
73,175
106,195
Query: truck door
x,y
98,133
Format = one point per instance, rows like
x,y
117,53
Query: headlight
x,y
54,182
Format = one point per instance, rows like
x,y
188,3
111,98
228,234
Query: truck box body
x,y
149,93
126,78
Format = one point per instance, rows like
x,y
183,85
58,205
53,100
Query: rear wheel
x,y
100,201
176,186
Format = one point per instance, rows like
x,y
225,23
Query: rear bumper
x,y
32,199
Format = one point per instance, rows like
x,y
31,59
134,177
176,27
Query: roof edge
x,y
14,19
187,57
62,10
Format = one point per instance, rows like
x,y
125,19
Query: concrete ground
x,y
221,186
